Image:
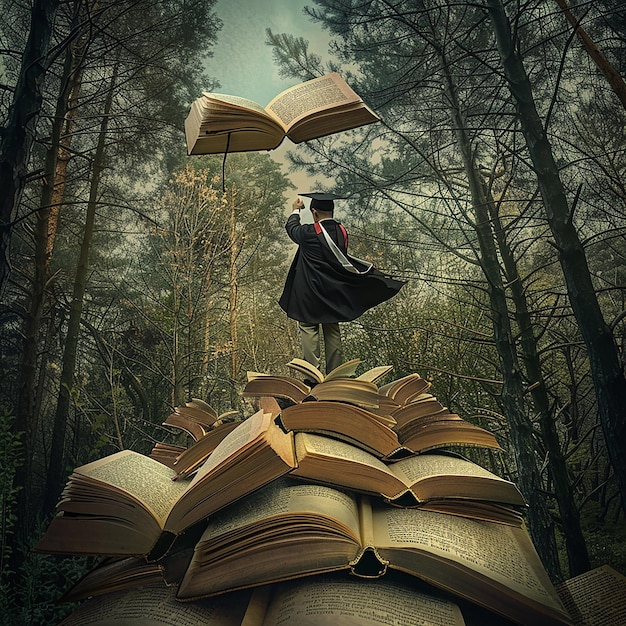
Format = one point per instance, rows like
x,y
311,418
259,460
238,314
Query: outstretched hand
x,y
298,205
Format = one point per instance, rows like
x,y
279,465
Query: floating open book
x,y
221,123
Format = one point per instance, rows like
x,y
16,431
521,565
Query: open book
x,y
345,370
196,418
340,384
332,600
405,389
126,502
443,482
262,385
381,434
595,598
222,123
446,483
358,391
291,530
131,504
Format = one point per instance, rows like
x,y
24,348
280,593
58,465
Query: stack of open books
x,y
339,502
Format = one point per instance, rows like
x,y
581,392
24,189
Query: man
x,y
325,285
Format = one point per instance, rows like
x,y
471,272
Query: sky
x,y
244,64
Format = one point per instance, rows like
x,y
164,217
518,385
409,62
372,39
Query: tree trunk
x,y
610,73
206,337
27,406
232,300
575,544
605,365
56,473
19,133
540,523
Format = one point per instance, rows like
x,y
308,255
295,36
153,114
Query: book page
x,y
499,552
595,598
345,370
257,606
309,443
281,497
238,101
423,465
310,97
149,481
245,433
335,601
188,460
335,448
306,368
375,373
157,606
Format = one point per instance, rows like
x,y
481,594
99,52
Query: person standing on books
x,y
325,285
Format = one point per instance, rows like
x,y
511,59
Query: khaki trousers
x,y
310,338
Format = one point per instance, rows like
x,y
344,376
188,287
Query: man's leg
x,y
332,346
310,339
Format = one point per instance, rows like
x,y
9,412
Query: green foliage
x,y
10,448
28,594
42,580
606,538
607,544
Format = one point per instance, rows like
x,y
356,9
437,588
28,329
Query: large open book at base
x,y
334,600
156,605
126,502
290,530
331,600
322,106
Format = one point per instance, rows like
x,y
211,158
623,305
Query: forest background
x,y
133,277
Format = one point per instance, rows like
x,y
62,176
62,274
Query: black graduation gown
x,y
319,289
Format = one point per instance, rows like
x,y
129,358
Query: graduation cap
x,y
322,201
